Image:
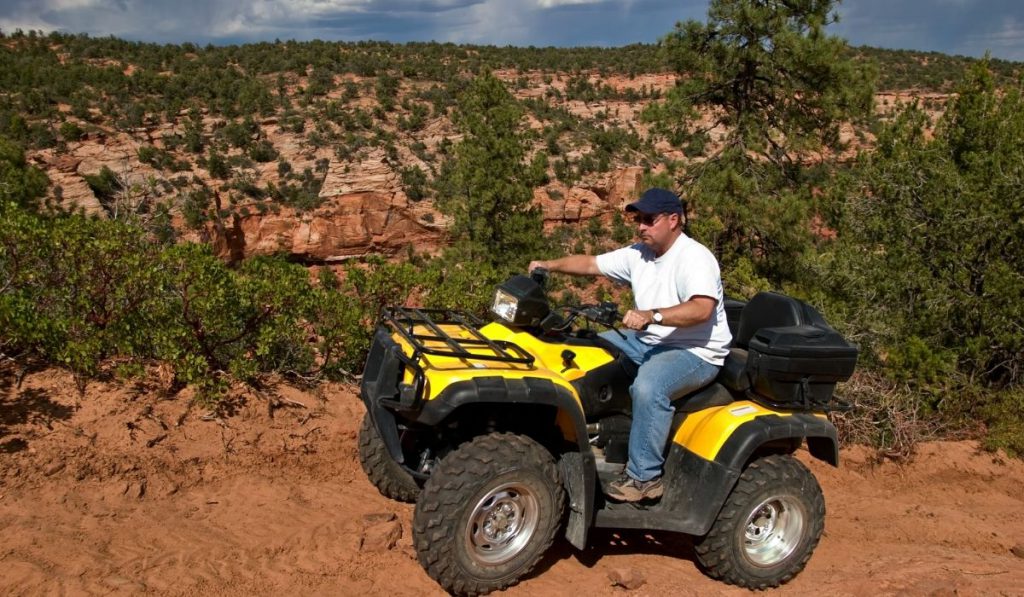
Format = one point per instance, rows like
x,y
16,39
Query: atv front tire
x,y
386,475
488,513
768,527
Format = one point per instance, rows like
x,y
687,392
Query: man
x,y
677,334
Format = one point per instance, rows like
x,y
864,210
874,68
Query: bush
x,y
82,291
148,154
79,292
217,166
217,324
70,131
106,186
927,271
262,151
414,179
20,184
944,214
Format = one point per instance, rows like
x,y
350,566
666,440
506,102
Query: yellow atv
x,y
503,432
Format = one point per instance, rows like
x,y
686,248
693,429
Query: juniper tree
x,y
933,240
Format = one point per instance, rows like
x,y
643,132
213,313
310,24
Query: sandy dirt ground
x,y
125,491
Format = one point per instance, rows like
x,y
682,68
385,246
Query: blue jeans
x,y
664,371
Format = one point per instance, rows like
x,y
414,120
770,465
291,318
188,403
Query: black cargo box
x,y
799,364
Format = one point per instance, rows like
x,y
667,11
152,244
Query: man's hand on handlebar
x,y
538,264
636,320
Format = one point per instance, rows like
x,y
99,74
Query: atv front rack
x,y
432,332
405,321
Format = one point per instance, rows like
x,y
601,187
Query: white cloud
x,y
556,3
71,4
26,24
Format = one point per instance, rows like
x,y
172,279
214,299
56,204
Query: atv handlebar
x,y
540,276
605,313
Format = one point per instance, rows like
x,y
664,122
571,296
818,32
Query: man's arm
x,y
577,265
696,310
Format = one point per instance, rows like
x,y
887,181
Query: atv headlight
x,y
505,305
520,301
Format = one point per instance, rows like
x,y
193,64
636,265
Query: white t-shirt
x,y
686,270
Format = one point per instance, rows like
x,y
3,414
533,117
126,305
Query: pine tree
x,y
487,188
779,88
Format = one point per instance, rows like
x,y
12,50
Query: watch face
x,y
657,317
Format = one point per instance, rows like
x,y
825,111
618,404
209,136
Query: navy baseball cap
x,y
657,201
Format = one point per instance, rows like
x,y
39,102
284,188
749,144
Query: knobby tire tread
x,y
386,475
435,523
715,551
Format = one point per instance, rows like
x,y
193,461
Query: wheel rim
x,y
773,531
502,523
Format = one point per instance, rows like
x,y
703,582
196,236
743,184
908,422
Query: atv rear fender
x,y
730,434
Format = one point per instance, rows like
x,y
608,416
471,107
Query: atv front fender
x,y
577,466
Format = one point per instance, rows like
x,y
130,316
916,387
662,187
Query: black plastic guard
x,y
380,380
695,490
820,434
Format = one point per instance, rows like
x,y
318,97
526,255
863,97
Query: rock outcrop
x,y
364,209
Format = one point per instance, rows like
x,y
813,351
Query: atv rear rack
x,y
422,330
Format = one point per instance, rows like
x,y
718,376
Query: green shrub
x,y
1004,412
80,290
70,131
262,151
106,186
218,324
20,184
414,179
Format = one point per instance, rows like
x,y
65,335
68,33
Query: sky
x,y
966,27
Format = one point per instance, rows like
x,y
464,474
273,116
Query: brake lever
x,y
611,316
606,314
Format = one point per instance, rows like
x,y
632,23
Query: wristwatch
x,y
656,316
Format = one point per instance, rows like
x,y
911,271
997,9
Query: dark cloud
x,y
612,23
969,27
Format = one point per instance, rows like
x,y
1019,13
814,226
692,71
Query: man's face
x,y
656,230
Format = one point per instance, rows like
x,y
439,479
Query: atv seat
x,y
734,372
706,397
773,310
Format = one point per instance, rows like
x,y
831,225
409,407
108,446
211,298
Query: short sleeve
x,y
700,276
618,264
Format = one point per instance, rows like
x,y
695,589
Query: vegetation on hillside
x,y
912,248
928,265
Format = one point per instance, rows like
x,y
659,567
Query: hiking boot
x,y
628,489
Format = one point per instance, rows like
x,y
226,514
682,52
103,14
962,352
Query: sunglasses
x,y
647,219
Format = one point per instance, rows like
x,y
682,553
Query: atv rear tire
x,y
768,527
488,513
386,475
